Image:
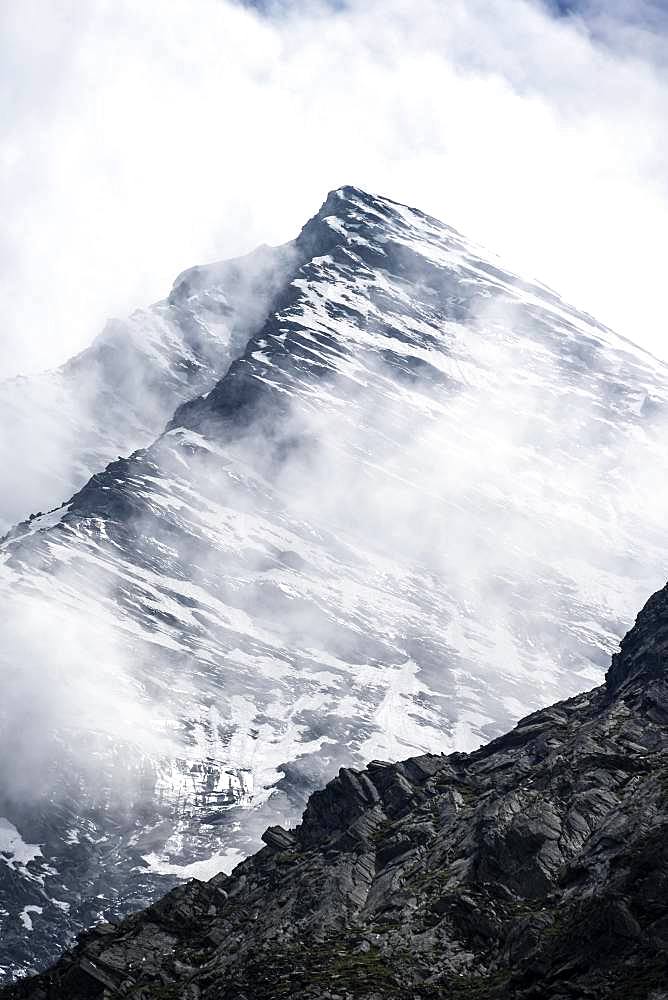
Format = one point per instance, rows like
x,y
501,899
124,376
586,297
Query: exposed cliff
x,y
533,868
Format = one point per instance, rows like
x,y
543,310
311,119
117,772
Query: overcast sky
x,y
140,138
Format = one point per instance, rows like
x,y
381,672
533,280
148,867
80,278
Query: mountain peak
x,y
347,195
360,208
643,652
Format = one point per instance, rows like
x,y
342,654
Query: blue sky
x,y
651,11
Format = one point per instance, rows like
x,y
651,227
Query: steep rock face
x,y
417,506
59,427
535,868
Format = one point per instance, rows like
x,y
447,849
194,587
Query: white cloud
x,y
143,138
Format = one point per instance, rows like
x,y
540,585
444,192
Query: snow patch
x,y
24,916
202,870
13,844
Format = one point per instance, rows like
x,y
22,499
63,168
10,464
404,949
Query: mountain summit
x,y
418,504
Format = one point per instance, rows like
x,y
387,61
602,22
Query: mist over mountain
x,y
61,426
420,502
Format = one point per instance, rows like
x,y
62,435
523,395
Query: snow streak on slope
x,y
61,426
416,507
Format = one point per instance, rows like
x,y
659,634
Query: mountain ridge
x,y
118,393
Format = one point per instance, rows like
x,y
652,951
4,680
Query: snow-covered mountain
x,y
61,426
418,505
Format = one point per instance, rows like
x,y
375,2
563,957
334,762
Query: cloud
x,y
634,29
70,707
60,428
141,139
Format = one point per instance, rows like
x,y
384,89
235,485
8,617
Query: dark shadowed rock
x,y
535,868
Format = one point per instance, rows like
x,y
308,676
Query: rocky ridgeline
x,y
61,426
534,868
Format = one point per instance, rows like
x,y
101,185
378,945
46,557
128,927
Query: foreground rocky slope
x,y
535,867
420,504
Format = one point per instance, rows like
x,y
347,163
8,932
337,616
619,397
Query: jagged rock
x,y
278,838
535,868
